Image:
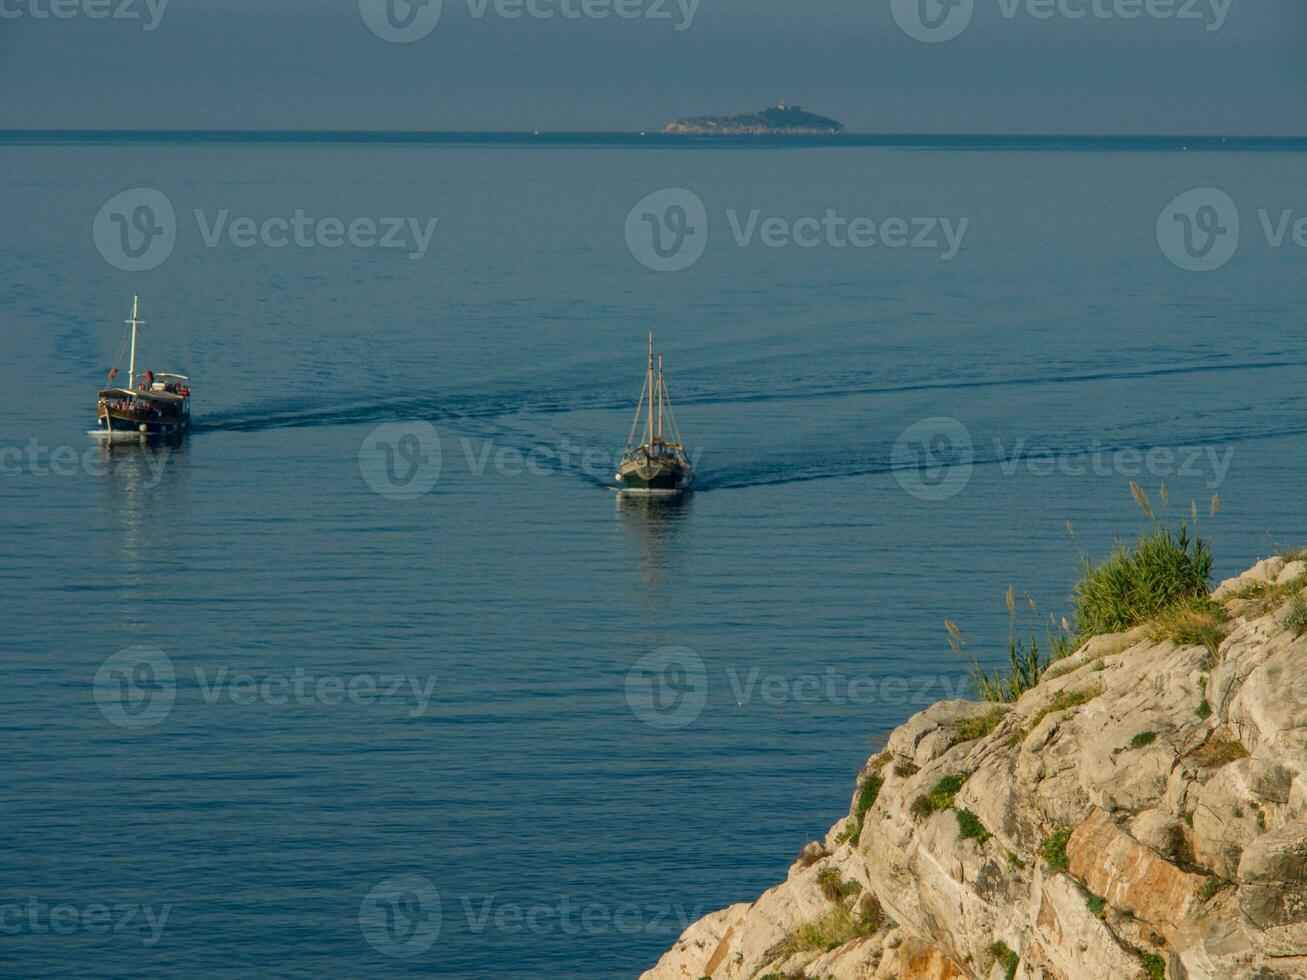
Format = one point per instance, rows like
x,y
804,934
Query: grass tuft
x,y
836,889
1097,905
1004,954
1220,749
1210,887
1133,585
970,827
1053,849
1193,622
1295,617
842,924
979,726
867,796
1153,965
1063,701
939,798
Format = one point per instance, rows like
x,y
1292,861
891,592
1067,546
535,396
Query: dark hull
x,y
126,425
665,479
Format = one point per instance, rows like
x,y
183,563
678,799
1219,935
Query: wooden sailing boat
x,y
158,405
657,464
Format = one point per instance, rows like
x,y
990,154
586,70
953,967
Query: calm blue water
x,y
526,594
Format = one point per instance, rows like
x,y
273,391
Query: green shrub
x,y
840,925
1163,569
1295,617
867,795
970,827
1004,954
1210,887
1204,710
1053,849
1097,905
1026,666
1025,662
1014,861
978,726
939,798
1153,965
1143,739
869,914
828,879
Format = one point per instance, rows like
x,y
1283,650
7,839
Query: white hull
x,y
118,435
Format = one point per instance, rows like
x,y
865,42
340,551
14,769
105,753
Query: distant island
x,y
777,119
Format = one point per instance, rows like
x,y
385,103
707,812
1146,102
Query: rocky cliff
x,y
1140,813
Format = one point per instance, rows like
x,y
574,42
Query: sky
x,y
1218,67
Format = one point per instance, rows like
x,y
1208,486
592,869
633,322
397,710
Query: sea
x,y
376,674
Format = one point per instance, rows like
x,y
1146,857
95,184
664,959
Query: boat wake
x,y
527,421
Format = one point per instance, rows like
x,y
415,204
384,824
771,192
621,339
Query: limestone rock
x,y
1167,787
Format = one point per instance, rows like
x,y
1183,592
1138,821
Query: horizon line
x,y
526,139
870,134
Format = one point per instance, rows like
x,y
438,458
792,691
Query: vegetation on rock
x,y
1053,849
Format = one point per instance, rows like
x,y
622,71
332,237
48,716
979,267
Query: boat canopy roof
x,y
175,377
154,396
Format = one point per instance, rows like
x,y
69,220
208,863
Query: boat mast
x,y
131,365
650,382
660,397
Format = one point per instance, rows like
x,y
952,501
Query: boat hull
x,y
655,479
124,426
